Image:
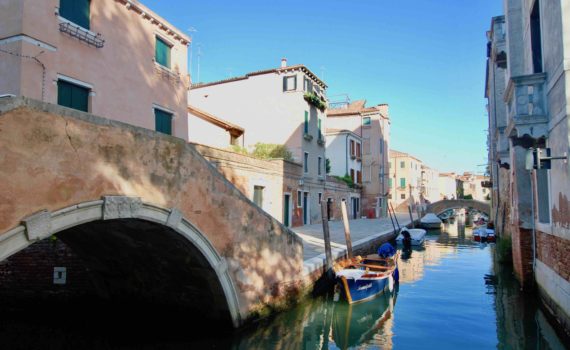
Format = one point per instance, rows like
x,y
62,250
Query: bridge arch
x,y
120,212
446,204
68,159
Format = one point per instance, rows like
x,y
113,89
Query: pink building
x,y
372,125
113,58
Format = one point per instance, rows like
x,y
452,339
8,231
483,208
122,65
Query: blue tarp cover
x,y
386,250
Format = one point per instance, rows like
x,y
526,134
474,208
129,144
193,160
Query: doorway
x,y
329,208
355,203
287,210
305,208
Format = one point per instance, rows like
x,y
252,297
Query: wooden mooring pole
x,y
411,216
346,229
327,236
395,218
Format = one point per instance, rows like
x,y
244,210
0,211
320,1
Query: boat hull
x,y
362,289
430,225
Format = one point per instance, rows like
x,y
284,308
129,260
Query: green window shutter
x,y
76,11
306,122
402,182
72,96
320,131
390,182
163,121
162,52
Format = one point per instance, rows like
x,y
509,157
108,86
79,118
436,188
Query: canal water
x,y
451,296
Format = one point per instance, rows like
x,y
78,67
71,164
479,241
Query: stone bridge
x,y
443,205
145,212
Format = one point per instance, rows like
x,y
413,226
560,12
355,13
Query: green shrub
x,y
468,196
347,179
270,150
238,149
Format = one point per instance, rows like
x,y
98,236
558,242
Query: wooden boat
x,y
417,236
363,278
430,221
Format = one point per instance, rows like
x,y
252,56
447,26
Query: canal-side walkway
x,y
362,231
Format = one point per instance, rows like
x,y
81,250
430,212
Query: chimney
x,y
283,62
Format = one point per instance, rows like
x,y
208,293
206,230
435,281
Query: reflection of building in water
x,y
412,269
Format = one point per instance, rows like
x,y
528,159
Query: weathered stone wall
x,y
53,158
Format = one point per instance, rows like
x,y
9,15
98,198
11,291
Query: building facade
x,y
405,180
117,59
344,154
429,184
531,112
284,106
447,186
372,124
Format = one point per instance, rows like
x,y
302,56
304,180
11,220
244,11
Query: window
x,y
320,132
402,165
358,176
390,182
258,195
535,38
72,96
306,122
306,163
162,52
320,166
320,197
290,83
402,182
299,199
366,121
358,153
352,148
308,86
163,121
403,196
381,146
76,11
352,175
390,196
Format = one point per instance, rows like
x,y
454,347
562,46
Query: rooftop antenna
x,y
191,30
199,55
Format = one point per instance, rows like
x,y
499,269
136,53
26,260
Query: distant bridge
x,y
443,205
145,212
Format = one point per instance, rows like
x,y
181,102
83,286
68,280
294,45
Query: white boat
x,y
430,221
417,236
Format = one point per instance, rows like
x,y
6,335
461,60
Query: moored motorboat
x,y
484,234
362,278
416,236
430,221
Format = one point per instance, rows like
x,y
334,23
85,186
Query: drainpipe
x,y
347,151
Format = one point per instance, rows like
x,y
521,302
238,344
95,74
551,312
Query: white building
x,y
344,151
283,106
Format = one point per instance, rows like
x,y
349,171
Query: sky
x,y
425,58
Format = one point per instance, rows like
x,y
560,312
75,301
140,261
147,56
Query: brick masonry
x,y
554,252
31,272
522,255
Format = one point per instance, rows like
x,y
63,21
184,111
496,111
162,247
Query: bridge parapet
x,y
61,168
443,205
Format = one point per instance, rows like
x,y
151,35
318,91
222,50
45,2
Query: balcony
x,y
526,106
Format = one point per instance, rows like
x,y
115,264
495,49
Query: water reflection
x,y
451,295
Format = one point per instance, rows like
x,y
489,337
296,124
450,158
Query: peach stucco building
x,y
113,58
372,124
271,106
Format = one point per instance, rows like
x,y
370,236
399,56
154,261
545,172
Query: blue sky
x,y
425,58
